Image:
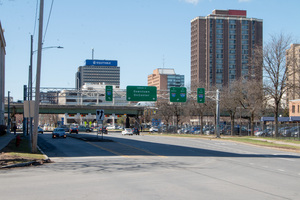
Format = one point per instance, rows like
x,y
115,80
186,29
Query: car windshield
x,y
60,129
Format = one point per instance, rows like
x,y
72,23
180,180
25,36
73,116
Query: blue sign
x,y
101,62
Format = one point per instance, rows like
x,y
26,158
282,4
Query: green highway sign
x,y
201,95
177,94
108,93
141,93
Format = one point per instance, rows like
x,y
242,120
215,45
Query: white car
x,y
153,129
127,131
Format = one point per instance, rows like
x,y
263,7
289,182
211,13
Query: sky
x,y
141,35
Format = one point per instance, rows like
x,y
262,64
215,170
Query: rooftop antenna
x,y
92,53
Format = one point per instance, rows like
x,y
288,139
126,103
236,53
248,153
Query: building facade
x,y
98,72
293,71
164,78
222,44
294,108
2,75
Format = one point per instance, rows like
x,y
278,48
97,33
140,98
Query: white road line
x,y
281,170
288,159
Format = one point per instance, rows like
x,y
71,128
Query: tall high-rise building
x,y
2,75
222,45
98,72
293,71
164,78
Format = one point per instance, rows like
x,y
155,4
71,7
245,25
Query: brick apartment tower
x,y
222,44
293,67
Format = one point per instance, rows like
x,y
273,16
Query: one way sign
x,y
99,115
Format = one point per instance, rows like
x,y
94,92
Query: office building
x,y
98,72
222,44
163,79
2,75
293,71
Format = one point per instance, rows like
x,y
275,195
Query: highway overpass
x,y
131,111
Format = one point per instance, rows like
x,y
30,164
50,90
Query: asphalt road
x,y
154,167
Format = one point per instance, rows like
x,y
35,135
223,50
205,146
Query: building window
x,y
220,21
231,21
293,109
219,26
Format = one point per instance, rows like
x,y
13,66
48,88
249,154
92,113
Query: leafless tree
x,y
165,111
275,66
252,100
231,98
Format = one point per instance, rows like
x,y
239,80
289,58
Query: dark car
x,y
59,132
103,130
73,130
136,131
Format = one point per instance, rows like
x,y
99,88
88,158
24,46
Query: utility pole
x,y
38,79
29,129
8,113
217,113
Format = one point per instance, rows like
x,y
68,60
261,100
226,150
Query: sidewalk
x,y
277,142
5,139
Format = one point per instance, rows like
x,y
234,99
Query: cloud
x,y
195,2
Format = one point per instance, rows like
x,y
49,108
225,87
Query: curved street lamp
x,y
30,79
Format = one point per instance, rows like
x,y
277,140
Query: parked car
x,y
136,131
196,130
153,129
266,132
103,130
59,132
295,131
73,130
127,131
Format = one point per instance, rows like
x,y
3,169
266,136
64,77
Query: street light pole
x,y
8,113
38,78
217,113
30,81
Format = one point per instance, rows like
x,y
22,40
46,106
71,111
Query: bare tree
x,y
253,100
196,109
275,66
165,111
231,98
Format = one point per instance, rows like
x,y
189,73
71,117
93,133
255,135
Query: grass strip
x,y
13,154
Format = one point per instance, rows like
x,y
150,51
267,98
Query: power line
x,y
48,21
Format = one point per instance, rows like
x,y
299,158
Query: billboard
x,y
101,62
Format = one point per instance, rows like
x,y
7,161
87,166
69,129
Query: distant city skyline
x,y
136,33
